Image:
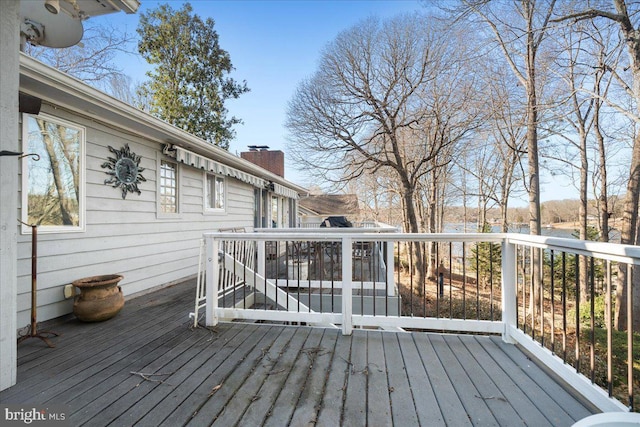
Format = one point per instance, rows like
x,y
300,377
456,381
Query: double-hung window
x,y
215,193
168,187
53,174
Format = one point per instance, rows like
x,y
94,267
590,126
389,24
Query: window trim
x,y
206,198
82,205
160,214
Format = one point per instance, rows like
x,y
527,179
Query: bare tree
x,y
602,51
518,31
92,61
620,15
367,107
506,135
576,112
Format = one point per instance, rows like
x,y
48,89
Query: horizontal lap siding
x,y
125,236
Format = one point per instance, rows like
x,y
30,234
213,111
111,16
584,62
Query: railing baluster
x,y
411,277
212,280
439,282
526,289
491,302
464,281
478,281
564,307
630,333
308,278
425,266
541,293
553,302
398,279
519,289
321,278
609,323
244,286
297,267
592,344
532,293
235,272
332,280
577,319
362,294
450,280
347,299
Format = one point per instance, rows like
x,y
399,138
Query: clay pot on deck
x,y
100,298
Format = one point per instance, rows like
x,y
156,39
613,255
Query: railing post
x,y
391,291
509,283
347,296
212,277
261,261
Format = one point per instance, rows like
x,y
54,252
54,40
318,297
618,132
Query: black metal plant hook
x,y
20,154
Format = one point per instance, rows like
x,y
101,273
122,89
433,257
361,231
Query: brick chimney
x,y
271,160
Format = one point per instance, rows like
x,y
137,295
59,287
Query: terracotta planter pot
x,y
100,298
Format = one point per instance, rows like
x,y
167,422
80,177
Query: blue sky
x,y
273,46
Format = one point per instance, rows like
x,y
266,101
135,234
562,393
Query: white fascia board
x,y
128,6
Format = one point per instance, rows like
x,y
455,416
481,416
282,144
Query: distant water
x,y
522,229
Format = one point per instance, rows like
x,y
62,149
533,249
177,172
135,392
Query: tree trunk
x,y
433,212
603,203
56,170
629,227
412,219
534,171
628,235
584,204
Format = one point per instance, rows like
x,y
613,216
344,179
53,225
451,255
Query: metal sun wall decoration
x,y
125,170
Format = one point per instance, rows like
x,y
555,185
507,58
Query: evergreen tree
x,y
190,82
487,260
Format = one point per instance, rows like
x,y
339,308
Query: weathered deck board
x,y
355,400
487,390
330,411
306,409
378,391
218,376
446,397
562,401
474,404
273,375
280,413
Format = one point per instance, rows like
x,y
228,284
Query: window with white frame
x,y
53,175
168,187
274,212
215,193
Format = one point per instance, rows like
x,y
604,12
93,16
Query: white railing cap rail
x,y
347,230
611,251
336,234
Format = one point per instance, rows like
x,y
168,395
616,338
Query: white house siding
x,y
127,236
10,36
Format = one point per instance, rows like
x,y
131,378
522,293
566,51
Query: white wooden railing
x,y
499,263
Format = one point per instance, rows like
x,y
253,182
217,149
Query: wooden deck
x,y
147,367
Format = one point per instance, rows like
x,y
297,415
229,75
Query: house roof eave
x,y
60,89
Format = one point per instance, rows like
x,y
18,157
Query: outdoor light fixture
x,y
52,6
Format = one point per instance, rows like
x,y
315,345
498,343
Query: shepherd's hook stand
x,y
33,327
